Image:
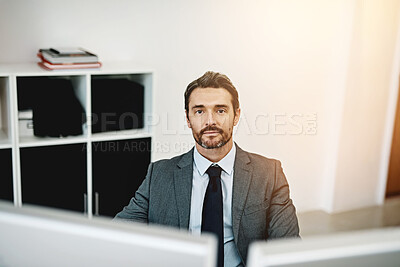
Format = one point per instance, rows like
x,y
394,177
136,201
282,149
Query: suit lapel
x,y
183,178
241,182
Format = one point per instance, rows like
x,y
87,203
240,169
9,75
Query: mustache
x,y
211,128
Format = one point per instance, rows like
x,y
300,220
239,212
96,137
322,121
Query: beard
x,y
215,142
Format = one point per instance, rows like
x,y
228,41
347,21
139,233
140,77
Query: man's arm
x,y
138,207
282,217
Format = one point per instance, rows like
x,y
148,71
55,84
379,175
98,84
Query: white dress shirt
x,y
200,182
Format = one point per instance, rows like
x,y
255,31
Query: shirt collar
x,y
226,163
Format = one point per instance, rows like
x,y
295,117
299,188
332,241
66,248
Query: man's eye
x,y
221,111
198,111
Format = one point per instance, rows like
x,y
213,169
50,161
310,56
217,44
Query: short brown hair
x,y
212,79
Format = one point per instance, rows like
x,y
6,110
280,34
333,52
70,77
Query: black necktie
x,y
212,218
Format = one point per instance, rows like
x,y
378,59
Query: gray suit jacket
x,y
261,206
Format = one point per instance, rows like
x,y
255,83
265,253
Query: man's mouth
x,y
212,131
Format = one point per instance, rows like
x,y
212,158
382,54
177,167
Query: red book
x,y
49,66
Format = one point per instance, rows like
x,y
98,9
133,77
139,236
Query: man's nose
x,y
210,119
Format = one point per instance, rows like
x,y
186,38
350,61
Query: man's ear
x,y
237,117
187,119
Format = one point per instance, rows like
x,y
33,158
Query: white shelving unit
x,y
10,137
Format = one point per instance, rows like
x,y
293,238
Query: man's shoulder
x,y
184,158
261,166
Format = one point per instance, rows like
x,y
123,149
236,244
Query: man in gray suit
x,y
255,197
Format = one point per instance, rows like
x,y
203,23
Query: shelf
x,y
115,172
82,160
33,141
120,68
120,135
32,69
55,176
59,105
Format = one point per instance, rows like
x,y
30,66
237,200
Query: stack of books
x,y
67,58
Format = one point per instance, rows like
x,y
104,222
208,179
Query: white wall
x,y
289,59
369,78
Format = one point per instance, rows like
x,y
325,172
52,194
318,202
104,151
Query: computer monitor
x,y
378,247
33,236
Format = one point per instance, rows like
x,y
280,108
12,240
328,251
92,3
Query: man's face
x,y
211,117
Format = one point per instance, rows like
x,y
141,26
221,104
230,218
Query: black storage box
x,y
117,104
56,110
